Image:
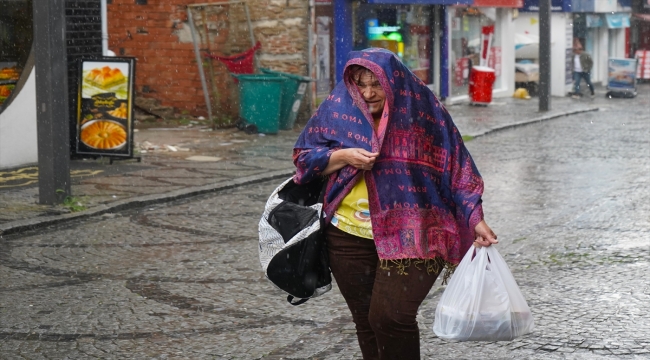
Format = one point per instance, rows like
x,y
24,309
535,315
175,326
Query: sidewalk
x,y
200,161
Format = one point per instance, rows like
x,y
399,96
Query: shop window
x,y
16,35
402,29
467,24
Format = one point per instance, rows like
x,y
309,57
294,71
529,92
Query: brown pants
x,y
384,305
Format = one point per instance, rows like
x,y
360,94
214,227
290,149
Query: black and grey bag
x,y
292,245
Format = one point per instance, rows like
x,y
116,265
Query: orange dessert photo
x,y
105,77
104,135
10,73
119,112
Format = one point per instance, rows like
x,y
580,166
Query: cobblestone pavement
x,y
568,198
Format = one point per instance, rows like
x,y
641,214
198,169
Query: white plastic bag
x,y
482,301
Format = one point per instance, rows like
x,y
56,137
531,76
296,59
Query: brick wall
x,y
158,34
84,40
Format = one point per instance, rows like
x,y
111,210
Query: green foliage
x,y
73,203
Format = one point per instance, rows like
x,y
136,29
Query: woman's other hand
x,y
357,157
484,235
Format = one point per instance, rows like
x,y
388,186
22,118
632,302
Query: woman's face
x,y
371,91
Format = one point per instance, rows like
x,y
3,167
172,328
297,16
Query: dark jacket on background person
x,y
586,62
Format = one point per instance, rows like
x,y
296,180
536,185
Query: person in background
x,y
403,198
582,64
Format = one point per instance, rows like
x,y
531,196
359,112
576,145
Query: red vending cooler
x,y
481,79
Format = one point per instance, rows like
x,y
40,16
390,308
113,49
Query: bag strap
x,y
301,301
321,196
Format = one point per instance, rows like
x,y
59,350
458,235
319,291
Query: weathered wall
x,y
158,35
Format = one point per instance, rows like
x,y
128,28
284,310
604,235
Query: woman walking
x,y
403,199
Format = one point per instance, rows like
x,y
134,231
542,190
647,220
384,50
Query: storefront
x,y
527,24
428,35
17,85
600,27
478,37
414,29
640,37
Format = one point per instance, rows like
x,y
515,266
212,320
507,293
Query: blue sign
x,y
584,6
556,5
618,21
621,74
594,21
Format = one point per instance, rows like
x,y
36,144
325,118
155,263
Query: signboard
x,y
604,6
556,5
105,107
461,71
499,3
594,20
621,74
422,2
9,75
617,21
568,53
494,61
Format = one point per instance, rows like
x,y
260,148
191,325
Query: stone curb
x,y
140,201
531,121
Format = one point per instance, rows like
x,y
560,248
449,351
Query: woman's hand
x,y
357,157
484,235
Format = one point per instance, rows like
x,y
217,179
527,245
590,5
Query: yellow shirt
x,y
353,214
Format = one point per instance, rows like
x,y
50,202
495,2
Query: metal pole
x,y
252,35
544,55
199,63
312,54
53,130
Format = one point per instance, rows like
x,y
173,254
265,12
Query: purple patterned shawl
x,y
424,189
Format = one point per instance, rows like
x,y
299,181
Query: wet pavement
x,y
227,157
181,280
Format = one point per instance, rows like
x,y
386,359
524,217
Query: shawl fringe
x,y
433,266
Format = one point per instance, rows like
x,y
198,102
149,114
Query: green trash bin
x,y
293,91
260,97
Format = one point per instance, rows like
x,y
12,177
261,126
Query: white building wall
x,y
18,145
602,48
617,37
506,26
561,27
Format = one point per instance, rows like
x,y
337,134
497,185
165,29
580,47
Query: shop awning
x,y
617,21
422,2
556,5
594,20
499,3
625,3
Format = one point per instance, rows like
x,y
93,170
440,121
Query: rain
x,y
144,145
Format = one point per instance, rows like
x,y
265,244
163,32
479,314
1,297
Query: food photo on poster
x,y
104,121
9,74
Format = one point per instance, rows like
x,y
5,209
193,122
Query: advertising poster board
x,y
105,107
9,74
621,75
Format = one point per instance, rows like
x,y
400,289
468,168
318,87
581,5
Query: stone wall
x,y
158,34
